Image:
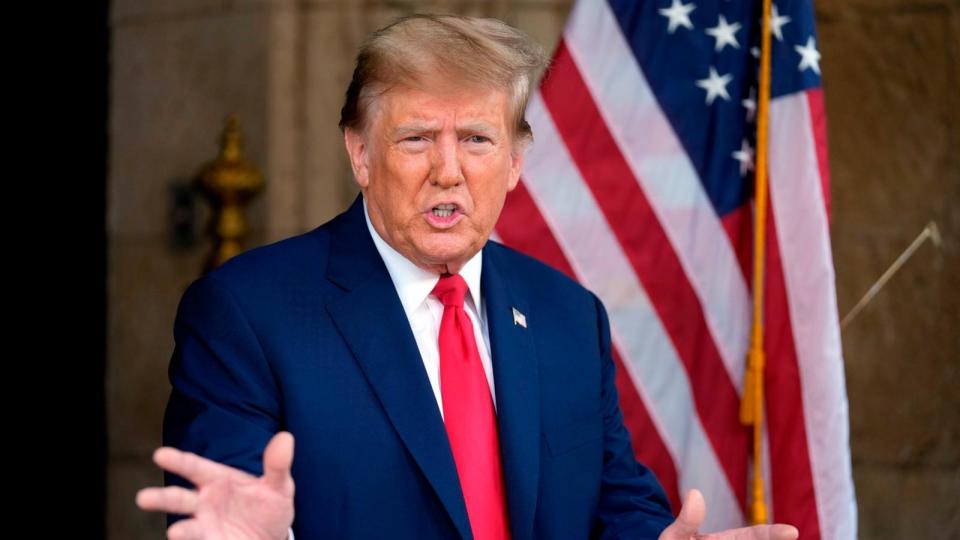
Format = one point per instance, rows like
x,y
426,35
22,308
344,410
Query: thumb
x,y
277,460
692,513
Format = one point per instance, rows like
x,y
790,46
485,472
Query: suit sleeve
x,y
632,502
224,403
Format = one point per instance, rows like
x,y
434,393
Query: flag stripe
x,y
818,119
738,225
791,481
803,233
522,226
649,356
650,254
666,175
647,444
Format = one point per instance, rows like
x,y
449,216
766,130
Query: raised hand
x,y
691,517
227,503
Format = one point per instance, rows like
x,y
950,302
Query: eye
x,y
478,139
414,143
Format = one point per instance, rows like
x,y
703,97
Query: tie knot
x,y
450,290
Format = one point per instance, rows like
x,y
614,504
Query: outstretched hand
x,y
693,512
227,503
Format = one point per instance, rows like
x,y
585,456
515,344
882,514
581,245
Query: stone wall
x,y
891,72
892,87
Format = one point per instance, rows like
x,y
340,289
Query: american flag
x,y
639,185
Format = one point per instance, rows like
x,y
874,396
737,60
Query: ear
x,y
357,150
516,166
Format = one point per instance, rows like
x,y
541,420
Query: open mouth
x,y
444,216
444,210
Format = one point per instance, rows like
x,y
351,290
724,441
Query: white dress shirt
x,y
424,311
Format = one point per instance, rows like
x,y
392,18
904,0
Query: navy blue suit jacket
x,y
308,335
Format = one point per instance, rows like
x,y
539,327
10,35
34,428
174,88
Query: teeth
x,y
444,210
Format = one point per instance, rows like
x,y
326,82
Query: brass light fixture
x,y
229,182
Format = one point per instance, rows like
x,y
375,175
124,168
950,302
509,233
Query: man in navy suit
x,y
439,385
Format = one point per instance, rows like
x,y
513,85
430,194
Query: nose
x,y
447,170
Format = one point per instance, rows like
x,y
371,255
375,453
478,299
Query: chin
x,y
448,250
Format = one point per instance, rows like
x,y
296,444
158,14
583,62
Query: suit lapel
x,y
372,322
517,382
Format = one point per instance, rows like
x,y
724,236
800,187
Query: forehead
x,y
443,106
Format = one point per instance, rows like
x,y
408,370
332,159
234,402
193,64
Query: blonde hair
x,y
472,51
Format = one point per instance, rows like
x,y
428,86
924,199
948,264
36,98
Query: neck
x,y
449,268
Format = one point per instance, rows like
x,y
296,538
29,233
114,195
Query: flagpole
x,y
751,408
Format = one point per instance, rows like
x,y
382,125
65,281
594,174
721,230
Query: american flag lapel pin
x,y
519,318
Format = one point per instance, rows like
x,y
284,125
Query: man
x,y
439,384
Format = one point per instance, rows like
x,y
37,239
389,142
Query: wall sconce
x,y
229,182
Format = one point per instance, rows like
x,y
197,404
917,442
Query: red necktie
x,y
469,416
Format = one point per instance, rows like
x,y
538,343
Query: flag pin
x,y
519,318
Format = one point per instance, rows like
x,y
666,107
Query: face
x,y
435,169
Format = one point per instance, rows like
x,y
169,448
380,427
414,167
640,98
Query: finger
x,y
758,532
185,529
691,517
277,460
784,532
194,468
171,499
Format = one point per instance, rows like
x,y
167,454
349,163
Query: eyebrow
x,y
407,129
484,128
478,127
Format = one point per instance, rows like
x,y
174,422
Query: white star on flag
x,y
809,56
777,22
715,85
745,156
679,15
724,32
750,104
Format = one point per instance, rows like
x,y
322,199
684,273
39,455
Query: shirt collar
x,y
414,284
